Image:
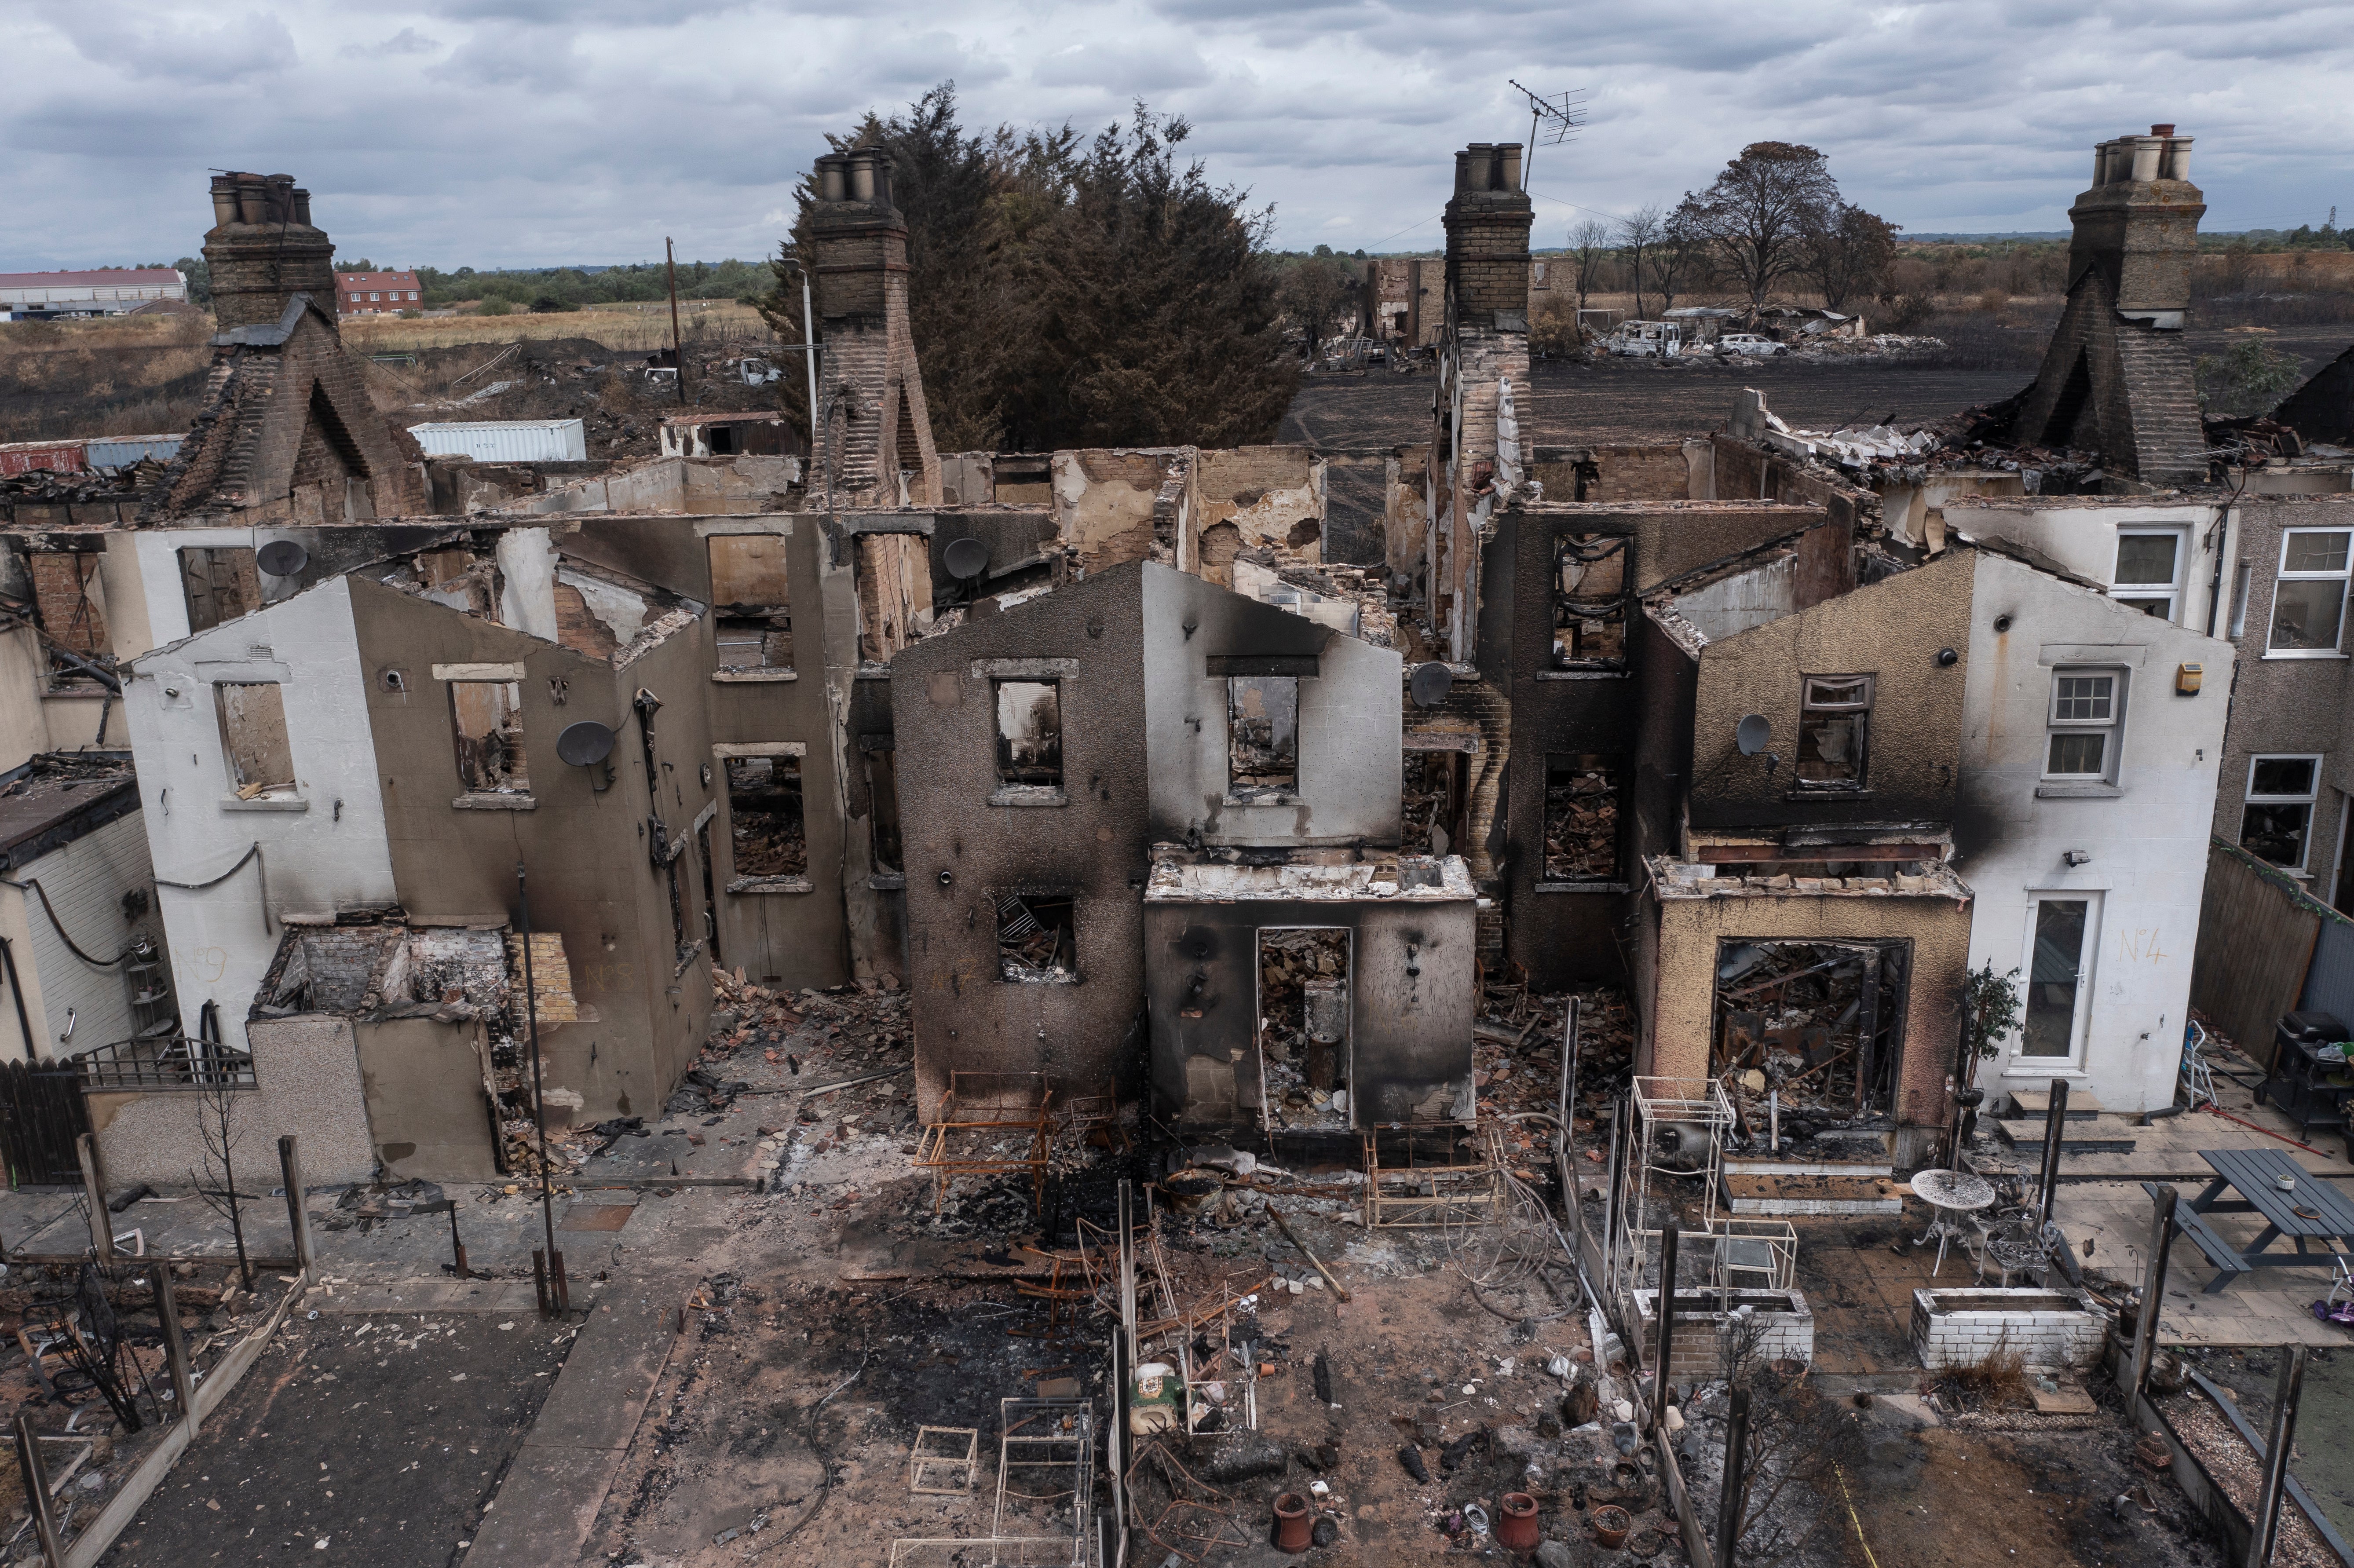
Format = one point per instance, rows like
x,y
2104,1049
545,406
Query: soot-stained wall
x,y
1409,1034
1892,630
1563,933
591,878
1087,842
1350,765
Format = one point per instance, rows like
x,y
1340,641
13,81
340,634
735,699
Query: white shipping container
x,y
122,451
506,440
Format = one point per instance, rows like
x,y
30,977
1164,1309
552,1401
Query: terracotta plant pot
x,y
1294,1532
1517,1529
1610,1527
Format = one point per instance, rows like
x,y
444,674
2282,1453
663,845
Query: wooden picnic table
x,y
2313,1210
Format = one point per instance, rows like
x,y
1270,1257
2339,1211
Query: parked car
x,y
1750,344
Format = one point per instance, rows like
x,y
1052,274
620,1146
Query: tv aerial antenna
x,y
1552,120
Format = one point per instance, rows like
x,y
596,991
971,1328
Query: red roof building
x,y
375,293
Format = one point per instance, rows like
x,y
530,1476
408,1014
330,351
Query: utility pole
x,y
677,351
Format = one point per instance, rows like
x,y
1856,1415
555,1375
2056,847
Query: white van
x,y
1645,340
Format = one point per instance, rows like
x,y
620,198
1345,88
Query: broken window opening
x,y
1582,818
487,718
764,817
1303,1037
1037,939
748,572
1821,1023
1833,718
1589,606
219,585
1431,809
883,810
756,642
1030,733
254,737
1262,736
752,591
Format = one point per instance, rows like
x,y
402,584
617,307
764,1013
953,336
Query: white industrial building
x,y
108,292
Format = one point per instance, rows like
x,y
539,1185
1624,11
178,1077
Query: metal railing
x,y
166,1061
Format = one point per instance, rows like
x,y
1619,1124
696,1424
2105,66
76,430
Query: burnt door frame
x,y
1258,1009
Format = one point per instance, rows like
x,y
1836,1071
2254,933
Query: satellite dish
x,y
1430,684
584,743
281,557
967,559
1751,733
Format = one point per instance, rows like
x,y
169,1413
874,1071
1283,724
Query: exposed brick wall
x,y
577,629
880,424
2051,1329
281,430
61,601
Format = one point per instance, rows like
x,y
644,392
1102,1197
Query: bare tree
x,y
1850,254
218,1102
1637,235
1316,290
1795,1435
1589,246
1761,208
1680,260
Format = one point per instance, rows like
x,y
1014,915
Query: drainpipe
x,y
24,1023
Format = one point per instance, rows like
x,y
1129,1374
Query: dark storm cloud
x,y
519,131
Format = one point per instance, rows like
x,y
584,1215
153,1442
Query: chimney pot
x,y
1511,160
862,176
1463,169
2161,129
830,179
224,200
2147,151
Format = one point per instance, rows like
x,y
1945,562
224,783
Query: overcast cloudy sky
x,y
516,132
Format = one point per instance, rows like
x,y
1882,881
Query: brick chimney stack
x,y
262,250
2116,378
871,393
1487,222
2138,225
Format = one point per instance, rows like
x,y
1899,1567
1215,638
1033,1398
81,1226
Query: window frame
x,y
2171,592
1862,782
2343,577
1001,744
271,793
2112,727
2079,1019
2310,800
1242,794
727,754
1618,607
468,789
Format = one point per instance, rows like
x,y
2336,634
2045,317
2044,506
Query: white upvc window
x,y
2083,726
2309,600
2150,566
2277,823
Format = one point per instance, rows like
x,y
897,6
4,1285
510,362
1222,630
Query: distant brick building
x,y
374,293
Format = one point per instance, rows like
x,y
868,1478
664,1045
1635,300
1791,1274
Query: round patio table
x,y
1953,1193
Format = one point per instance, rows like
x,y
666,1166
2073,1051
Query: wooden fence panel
x,y
2256,942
